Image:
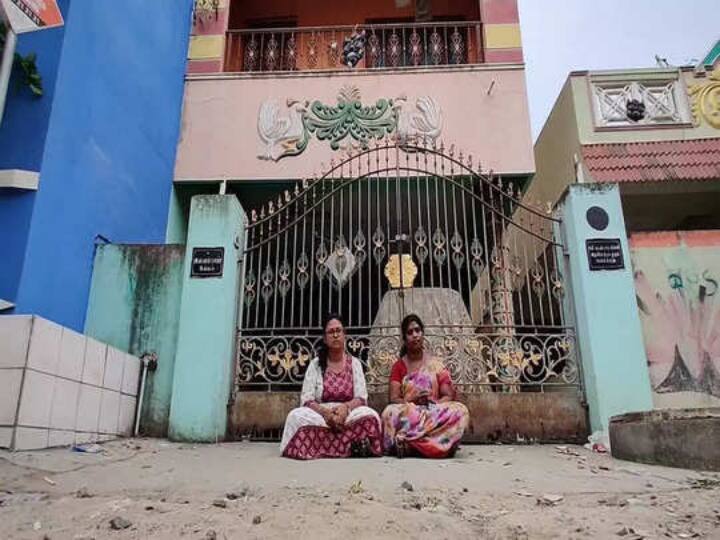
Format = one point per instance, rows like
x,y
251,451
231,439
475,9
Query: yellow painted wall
x,y
502,36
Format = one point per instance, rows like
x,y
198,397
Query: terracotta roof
x,y
653,161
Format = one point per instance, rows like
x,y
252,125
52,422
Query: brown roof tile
x,y
653,161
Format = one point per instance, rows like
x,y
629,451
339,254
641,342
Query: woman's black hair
x,y
322,350
404,325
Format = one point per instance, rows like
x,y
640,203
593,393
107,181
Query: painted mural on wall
x,y
677,277
287,131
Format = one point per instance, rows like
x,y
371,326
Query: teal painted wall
x,y
134,305
204,360
608,327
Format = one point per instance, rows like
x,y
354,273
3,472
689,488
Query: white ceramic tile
x,y
44,346
114,369
10,381
65,403
88,411
127,416
72,355
94,368
14,339
36,399
61,438
6,437
109,412
30,438
131,375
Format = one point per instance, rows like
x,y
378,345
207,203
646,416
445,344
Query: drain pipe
x,y
6,65
149,363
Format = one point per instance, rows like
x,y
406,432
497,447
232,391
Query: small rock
x,y
465,490
119,523
234,495
257,520
83,493
149,507
550,500
407,486
37,526
211,535
220,503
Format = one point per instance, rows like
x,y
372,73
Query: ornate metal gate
x,y
398,228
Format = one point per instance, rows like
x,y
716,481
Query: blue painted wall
x,y
25,123
22,141
110,149
15,213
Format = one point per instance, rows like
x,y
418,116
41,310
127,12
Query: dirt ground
x,y
245,490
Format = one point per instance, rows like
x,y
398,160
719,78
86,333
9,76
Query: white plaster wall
x,y
58,387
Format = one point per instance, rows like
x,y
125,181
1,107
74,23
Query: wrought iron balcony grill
x,y
389,46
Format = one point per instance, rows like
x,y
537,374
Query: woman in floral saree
x,y
334,419
422,417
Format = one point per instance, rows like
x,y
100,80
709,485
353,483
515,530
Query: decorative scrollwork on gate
x,y
421,215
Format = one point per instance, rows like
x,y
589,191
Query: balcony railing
x,y
321,48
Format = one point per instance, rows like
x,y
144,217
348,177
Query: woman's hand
x,y
422,400
341,413
329,417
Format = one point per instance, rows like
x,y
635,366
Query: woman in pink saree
x,y
422,418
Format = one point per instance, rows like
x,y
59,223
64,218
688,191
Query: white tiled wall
x,y
58,387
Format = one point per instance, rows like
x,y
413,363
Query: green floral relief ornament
x,y
287,133
350,118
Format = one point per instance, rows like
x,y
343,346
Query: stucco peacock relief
x,y
286,131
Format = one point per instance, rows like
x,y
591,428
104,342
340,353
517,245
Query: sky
x,y
560,36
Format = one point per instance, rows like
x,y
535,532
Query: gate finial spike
x,y
262,212
296,190
253,215
470,161
271,208
442,146
451,152
548,207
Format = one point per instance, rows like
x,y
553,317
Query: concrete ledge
x,y
19,179
687,438
494,417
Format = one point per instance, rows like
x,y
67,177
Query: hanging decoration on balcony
x,y
287,132
353,48
706,100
